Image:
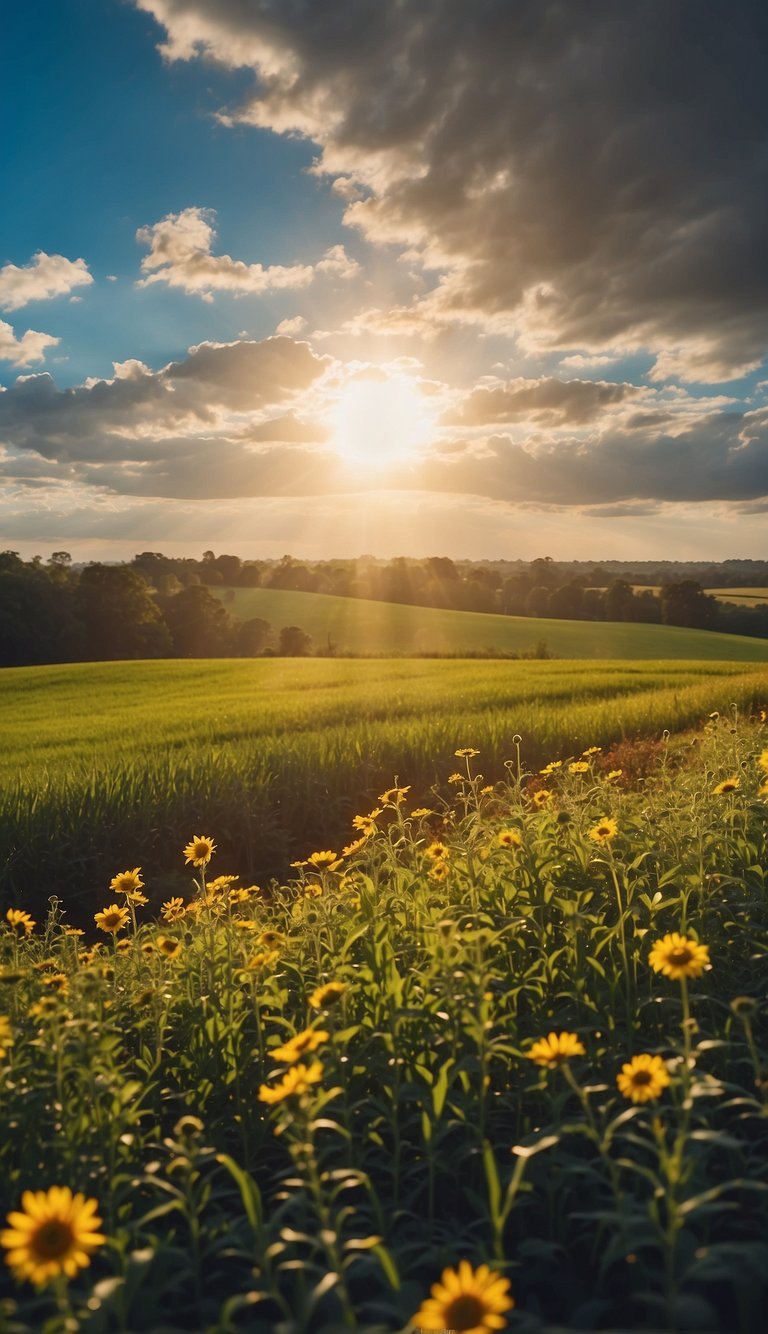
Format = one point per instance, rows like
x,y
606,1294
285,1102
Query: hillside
x,y
358,626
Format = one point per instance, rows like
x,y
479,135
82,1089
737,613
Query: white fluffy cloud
x,y
180,255
24,351
585,178
44,277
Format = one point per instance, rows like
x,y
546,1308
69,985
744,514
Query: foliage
x,y
428,1127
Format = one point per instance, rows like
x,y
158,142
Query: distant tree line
x,y
158,606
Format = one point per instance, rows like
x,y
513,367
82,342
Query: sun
x,y
380,419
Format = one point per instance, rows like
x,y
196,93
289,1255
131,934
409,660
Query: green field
x,y
100,760
743,597
359,626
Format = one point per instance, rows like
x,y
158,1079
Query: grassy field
x,y
524,1029
359,626
101,758
743,597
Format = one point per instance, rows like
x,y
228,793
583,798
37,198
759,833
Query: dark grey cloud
x,y
588,174
546,402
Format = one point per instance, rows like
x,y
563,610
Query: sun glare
x,y
380,421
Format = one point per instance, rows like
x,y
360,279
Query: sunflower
x,y
604,831
556,1048
295,1081
129,883
170,946
509,838
421,813
263,960
551,767
300,1045
468,1300
643,1078
394,795
436,852
324,861
678,957
466,753
727,785
592,750
326,995
199,850
355,846
541,798
613,773
47,1007
439,870
762,761
20,922
111,919
57,982
6,1036
578,767
366,824
172,909
54,1234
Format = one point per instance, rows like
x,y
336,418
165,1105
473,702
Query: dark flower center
x,y
52,1239
680,956
464,1312
641,1077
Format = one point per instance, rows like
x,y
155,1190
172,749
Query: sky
x,y
399,277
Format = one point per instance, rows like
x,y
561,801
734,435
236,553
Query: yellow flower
x,y
53,1235
48,1007
199,850
20,922
295,1081
604,831
614,773
324,861
436,852
421,812
592,750
6,1036
367,823
148,947
301,1045
439,870
394,795
244,923
216,889
551,767
241,895
172,909
455,778
556,1048
352,848
111,919
466,753
578,767
271,939
678,956
509,838
263,960
468,1300
57,982
728,785
643,1078
128,882
762,761
170,946
324,996
73,931
541,798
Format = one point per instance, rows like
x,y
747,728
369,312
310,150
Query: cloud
x,y
28,349
45,276
545,402
180,247
584,178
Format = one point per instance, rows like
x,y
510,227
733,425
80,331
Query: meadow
x,y
277,754
365,627
497,1061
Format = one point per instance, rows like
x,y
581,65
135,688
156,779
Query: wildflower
x,y
47,1007
643,1078
57,982
352,848
324,996
614,773
263,960
324,861
421,812
295,1081
555,1048
436,852
170,946
148,947
73,931
199,850
592,750
466,1299
394,796
367,823
129,883
541,798
217,888
46,966
466,753
578,767
455,778
239,895
172,909
509,838
20,922
271,939
123,946
728,785
6,1036
551,767
301,1045
111,919
762,761
678,957
54,1234
439,870
604,831
244,923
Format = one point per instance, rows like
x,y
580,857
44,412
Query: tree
x,y
119,617
619,601
198,623
253,637
294,642
687,604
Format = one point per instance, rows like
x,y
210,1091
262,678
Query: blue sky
x,y
395,279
